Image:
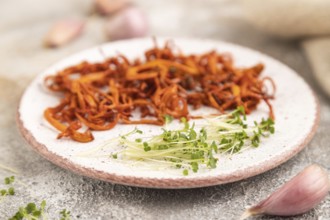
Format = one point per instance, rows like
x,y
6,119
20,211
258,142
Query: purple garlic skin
x,y
131,22
299,195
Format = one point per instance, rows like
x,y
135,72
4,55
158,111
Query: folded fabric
x,y
318,52
297,19
289,18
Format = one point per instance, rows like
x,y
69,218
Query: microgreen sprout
x,y
9,180
31,211
190,148
65,215
10,191
168,119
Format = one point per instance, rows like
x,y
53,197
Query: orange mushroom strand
x,y
98,96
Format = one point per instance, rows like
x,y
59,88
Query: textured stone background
x,y
23,24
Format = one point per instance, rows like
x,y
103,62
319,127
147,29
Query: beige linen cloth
x,y
307,20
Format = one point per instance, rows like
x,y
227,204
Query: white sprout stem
x,y
161,152
159,161
2,198
12,170
21,183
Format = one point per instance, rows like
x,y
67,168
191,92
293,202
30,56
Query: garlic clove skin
x,y
299,195
63,32
108,7
128,23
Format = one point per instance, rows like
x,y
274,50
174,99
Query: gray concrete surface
x,y
22,57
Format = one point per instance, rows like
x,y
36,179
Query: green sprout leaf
x,y
9,180
11,191
65,215
168,119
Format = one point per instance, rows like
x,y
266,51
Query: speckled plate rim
x,y
173,183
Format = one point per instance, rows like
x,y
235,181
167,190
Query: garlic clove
x,y
128,23
108,7
299,195
63,32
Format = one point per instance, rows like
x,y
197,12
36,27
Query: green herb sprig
x,y
31,212
233,134
189,148
9,191
9,180
65,215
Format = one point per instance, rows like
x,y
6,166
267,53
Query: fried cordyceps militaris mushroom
x,y
98,96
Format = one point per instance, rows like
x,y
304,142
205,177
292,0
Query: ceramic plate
x,y
296,110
